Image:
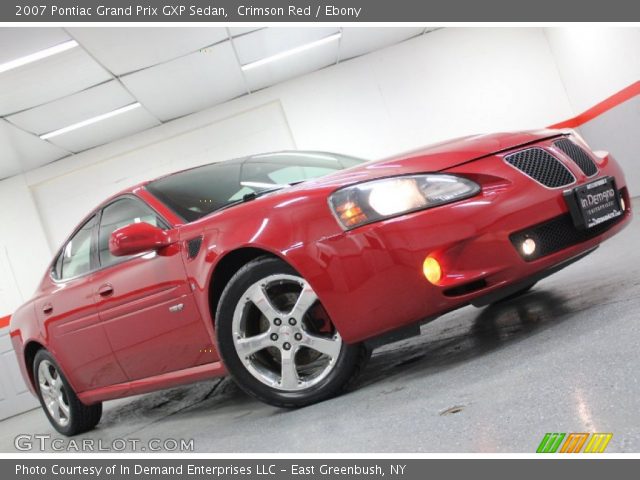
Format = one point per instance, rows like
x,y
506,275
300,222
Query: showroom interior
x,y
107,108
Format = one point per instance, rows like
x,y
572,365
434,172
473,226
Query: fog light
x,y
622,204
528,247
431,269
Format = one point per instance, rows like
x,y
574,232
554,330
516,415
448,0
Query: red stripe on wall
x,y
4,321
613,101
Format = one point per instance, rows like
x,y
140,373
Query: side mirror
x,y
138,238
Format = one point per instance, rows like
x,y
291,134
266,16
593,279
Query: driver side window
x,y
119,214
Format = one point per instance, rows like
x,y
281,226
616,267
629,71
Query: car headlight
x,y
389,197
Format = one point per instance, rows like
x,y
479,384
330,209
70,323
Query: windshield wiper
x,y
253,195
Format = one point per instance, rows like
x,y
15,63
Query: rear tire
x,y
278,342
66,413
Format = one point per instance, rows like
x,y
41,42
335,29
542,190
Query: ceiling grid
x,y
119,81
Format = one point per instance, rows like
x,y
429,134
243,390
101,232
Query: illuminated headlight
x,y
389,197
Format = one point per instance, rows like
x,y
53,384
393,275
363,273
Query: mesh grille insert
x,y
578,155
557,234
542,167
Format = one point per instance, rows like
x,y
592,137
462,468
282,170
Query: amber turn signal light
x,y
351,214
432,270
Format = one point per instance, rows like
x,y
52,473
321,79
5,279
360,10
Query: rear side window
x,y
75,258
119,214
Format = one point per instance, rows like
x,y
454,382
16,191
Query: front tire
x,y
66,413
278,342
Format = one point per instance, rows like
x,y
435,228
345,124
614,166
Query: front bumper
x,y
372,282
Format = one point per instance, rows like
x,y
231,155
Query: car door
x,y
70,319
145,301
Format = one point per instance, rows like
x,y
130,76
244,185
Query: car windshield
x,y
197,192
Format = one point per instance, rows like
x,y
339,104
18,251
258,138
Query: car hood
x,y
434,158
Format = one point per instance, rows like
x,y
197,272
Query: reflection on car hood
x,y
434,158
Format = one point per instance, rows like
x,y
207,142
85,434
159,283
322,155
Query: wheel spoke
x,y
289,372
329,346
55,411
44,373
63,406
259,298
250,345
307,298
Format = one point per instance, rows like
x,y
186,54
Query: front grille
x,y
542,167
557,234
578,155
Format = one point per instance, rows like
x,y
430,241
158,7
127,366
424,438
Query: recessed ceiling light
x,y
34,57
293,51
90,121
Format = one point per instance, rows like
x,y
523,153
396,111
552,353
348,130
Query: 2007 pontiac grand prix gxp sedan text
x,y
283,269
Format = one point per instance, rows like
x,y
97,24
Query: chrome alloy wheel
x,y
53,393
283,335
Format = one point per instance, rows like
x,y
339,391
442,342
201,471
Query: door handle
x,y
106,290
47,309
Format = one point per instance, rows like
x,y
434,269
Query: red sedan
x,y
285,269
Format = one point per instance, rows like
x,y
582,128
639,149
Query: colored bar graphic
x,y
574,443
598,442
550,443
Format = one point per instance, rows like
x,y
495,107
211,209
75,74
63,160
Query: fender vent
x,y
578,155
193,247
543,167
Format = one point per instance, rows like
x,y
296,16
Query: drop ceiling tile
x,y
21,151
16,42
106,131
360,40
125,50
270,41
188,84
235,31
48,79
291,67
75,108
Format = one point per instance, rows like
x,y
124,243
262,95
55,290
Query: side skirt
x,y
157,382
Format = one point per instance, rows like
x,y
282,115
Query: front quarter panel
x,y
287,225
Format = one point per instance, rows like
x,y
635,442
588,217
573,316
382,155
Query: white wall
x,y
595,62
24,252
448,83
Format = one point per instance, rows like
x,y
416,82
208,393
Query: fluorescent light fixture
x,y
34,57
293,51
90,121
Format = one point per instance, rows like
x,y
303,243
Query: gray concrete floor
x,y
563,358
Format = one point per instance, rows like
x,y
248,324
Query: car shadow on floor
x,y
453,339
